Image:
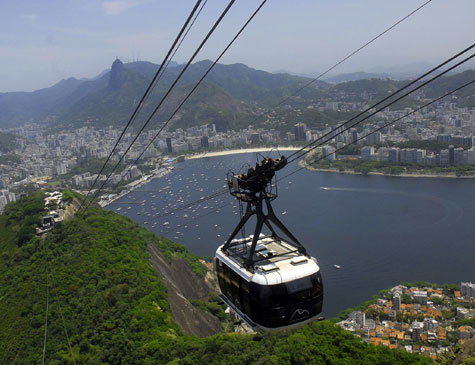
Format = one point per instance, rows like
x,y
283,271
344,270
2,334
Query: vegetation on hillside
x,y
7,142
106,304
429,145
393,168
318,343
95,165
10,159
21,218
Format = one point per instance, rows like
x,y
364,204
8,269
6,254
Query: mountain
x,y
99,289
444,84
228,97
97,101
403,72
354,76
20,107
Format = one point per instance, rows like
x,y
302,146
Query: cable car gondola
x,y
272,283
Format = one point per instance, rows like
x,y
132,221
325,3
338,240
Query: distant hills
x,y
228,89
354,76
228,97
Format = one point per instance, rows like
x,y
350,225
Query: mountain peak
x,y
115,80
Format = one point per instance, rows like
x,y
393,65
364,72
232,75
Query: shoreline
x,y
163,172
374,173
136,184
240,151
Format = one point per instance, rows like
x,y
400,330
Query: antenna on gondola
x,y
256,187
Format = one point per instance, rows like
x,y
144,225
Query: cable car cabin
x,y
282,290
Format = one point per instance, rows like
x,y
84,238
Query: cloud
x,y
30,18
115,7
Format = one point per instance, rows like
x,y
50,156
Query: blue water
x,y
380,230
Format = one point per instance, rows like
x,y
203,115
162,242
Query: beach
x,y
162,172
243,150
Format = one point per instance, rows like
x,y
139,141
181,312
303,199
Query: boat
x,y
337,266
284,213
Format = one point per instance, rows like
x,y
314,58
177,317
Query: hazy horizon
x,y
46,42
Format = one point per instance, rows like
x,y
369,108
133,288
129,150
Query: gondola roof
x,y
276,261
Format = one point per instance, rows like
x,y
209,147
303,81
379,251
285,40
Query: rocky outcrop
x,y
465,354
115,80
184,286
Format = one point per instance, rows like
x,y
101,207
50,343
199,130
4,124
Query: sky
x,y
44,41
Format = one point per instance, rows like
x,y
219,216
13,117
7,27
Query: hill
x,y
355,76
73,103
229,96
445,84
22,107
107,303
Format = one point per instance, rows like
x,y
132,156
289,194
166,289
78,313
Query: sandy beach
x,y
244,150
163,172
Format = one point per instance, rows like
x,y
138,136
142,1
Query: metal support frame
x,y
254,187
254,206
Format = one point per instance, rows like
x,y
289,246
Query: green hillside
x,y
7,142
107,305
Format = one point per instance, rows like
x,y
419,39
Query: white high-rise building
x,y
367,153
359,317
430,324
467,290
397,302
393,154
328,153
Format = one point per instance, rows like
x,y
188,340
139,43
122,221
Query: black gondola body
x,y
271,283
279,292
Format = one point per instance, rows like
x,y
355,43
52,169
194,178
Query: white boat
x,y
166,223
284,213
337,266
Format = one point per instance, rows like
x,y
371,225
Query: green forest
x,y
7,142
107,304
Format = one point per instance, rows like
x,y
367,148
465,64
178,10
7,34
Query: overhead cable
x,y
384,126
348,56
352,54
306,85
165,96
308,148
199,82
147,93
331,133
